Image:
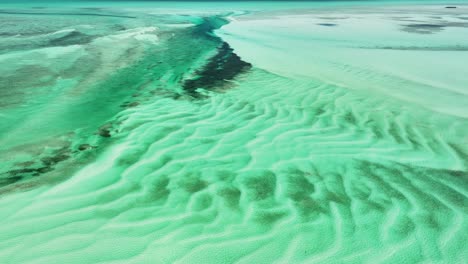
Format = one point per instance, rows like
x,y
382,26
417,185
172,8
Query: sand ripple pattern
x,y
272,171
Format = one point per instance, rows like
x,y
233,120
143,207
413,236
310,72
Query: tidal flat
x,y
234,132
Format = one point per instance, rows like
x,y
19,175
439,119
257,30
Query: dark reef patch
x,y
129,104
34,169
327,24
9,180
222,67
72,38
430,28
91,8
423,28
105,130
225,65
84,147
206,27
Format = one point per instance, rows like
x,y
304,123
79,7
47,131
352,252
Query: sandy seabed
x,y
297,133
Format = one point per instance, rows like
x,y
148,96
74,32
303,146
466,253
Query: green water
x,y
233,133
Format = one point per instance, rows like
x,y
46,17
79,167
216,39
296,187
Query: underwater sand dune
x,y
241,179
215,155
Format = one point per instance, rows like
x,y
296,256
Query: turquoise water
x,y
233,132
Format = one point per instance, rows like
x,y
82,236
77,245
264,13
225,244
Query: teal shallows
x,y
73,93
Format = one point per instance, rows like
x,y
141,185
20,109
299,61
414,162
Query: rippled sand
x,y
234,134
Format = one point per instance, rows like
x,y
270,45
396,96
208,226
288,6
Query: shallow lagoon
x,y
186,133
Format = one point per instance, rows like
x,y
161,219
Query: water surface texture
x,y
316,132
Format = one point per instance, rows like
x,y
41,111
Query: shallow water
x,y
238,133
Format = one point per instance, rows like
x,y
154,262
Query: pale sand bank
x,y
367,49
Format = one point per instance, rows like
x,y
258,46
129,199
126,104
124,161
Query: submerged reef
x,y
222,67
